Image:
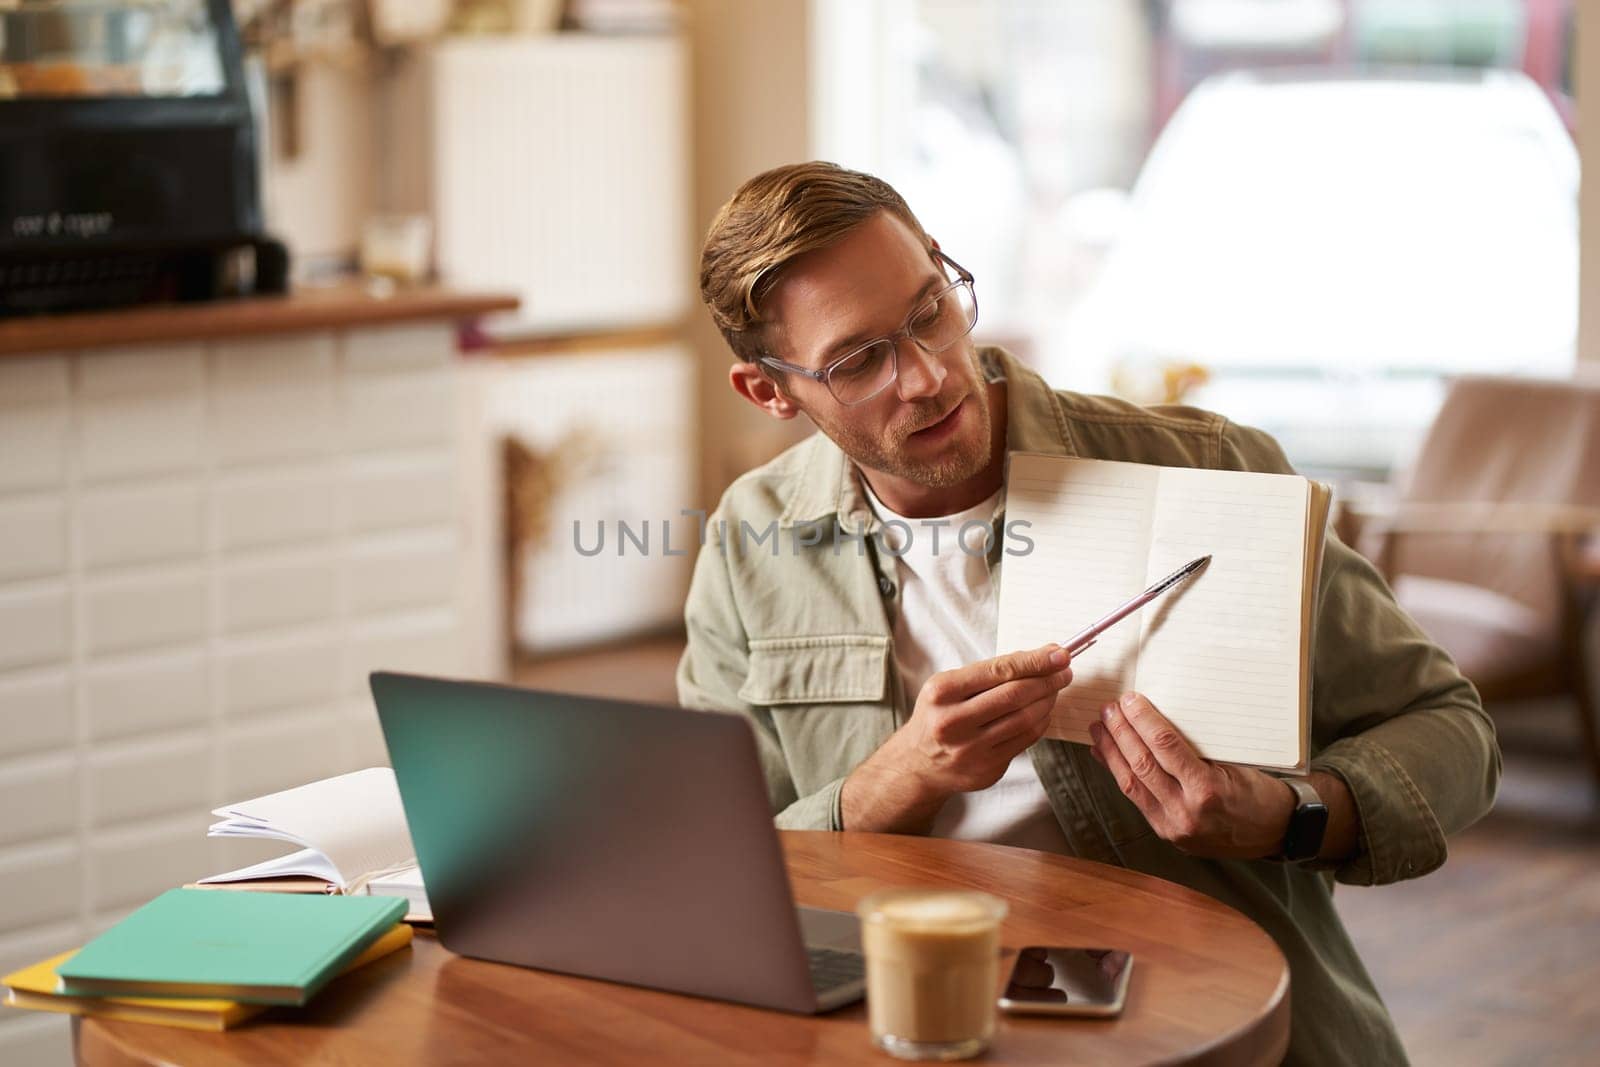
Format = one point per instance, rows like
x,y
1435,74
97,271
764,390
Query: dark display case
x,y
128,164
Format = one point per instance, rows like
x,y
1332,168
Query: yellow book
x,y
35,988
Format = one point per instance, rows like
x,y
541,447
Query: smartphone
x,y
1050,980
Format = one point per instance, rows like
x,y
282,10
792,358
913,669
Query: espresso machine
x,y
128,157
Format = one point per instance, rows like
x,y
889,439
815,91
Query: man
x,y
867,664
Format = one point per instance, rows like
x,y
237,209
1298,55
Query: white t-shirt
x,y
947,619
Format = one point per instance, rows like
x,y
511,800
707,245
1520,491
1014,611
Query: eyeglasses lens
x,y
935,326
864,374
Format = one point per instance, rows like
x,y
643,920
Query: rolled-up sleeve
x,y
1391,715
1396,720
714,666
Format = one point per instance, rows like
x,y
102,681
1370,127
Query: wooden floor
x,y
1493,959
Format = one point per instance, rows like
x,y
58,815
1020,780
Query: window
x,y
1302,213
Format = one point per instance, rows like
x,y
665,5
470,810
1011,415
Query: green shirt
x,y
792,629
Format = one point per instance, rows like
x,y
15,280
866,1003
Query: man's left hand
x,y
1206,809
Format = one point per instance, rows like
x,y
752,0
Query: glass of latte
x,y
933,958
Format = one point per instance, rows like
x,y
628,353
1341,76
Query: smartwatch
x,y
1306,825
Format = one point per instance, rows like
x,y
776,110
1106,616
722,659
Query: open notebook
x,y
352,837
1225,655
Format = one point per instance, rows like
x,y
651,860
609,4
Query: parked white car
x,y
1329,247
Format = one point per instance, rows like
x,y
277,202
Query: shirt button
x,y
885,586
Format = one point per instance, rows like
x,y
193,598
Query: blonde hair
x,y
771,220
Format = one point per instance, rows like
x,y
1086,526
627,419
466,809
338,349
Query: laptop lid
x,y
630,842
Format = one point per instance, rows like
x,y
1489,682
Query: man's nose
x,y
922,373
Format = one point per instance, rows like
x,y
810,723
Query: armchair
x,y
1492,539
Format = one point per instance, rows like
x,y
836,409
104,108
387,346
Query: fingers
x,y
1169,747
988,674
1021,728
1136,754
1106,751
1002,700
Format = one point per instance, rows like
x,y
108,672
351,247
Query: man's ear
x,y
935,242
750,382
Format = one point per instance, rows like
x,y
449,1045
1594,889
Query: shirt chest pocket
x,y
829,699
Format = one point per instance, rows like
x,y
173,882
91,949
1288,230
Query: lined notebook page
x,y
1090,525
1220,655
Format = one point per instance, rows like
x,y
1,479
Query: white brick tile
x,y
279,672
275,509
33,448
38,797
128,866
400,410
163,368
141,434
32,380
129,613
264,757
278,593
33,537
20,949
426,644
35,712
273,422
101,921
36,1039
416,573
39,883
383,493
119,527
298,358
34,625
158,776
145,693
398,348
363,739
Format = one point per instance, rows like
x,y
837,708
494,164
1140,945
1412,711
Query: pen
x,y
1086,637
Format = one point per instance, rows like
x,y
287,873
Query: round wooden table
x,y
1208,985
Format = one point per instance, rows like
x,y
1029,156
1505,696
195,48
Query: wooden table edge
x,y
1263,1039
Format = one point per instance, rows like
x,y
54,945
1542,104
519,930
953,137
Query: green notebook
x,y
259,948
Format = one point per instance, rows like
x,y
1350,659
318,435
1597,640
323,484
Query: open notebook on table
x,y
1226,656
352,834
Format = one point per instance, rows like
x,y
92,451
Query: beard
x,y
962,457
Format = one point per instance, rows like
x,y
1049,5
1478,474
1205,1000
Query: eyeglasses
x,y
936,323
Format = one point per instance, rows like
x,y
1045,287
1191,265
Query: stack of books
x,y
207,961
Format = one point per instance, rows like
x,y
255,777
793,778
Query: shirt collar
x,y
827,484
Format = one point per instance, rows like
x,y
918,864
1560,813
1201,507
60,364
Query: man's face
x,y
931,426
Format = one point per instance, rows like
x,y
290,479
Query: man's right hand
x,y
967,727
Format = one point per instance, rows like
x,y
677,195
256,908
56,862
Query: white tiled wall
x,y
203,551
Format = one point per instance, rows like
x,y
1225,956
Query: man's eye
x,y
859,363
926,317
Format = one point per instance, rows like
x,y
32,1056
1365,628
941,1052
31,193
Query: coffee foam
x,y
934,911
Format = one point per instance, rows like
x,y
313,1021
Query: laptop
x,y
628,842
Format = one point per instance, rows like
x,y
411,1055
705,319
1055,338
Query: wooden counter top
x,y
337,306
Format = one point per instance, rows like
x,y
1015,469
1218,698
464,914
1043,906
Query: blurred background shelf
x,y
557,165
